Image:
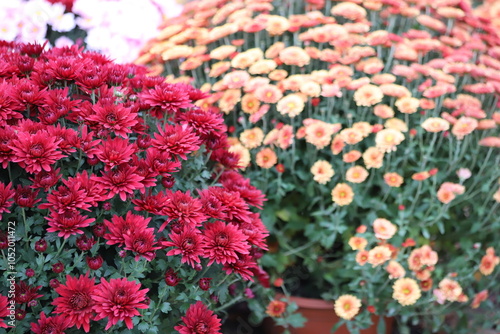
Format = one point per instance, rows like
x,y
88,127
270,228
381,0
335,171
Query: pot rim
x,y
310,303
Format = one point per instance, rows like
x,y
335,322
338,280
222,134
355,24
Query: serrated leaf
x,y
165,307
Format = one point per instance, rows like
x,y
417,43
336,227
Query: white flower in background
x,y
31,31
8,29
61,21
63,41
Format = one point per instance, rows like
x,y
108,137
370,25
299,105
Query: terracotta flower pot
x,y
321,318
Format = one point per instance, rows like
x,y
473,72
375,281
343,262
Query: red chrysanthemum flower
x,y
168,98
35,152
142,169
224,243
118,300
93,192
234,181
66,138
244,265
206,124
161,162
75,301
45,180
7,135
9,107
114,152
119,227
122,181
26,92
199,319
114,117
26,197
255,230
211,205
6,195
142,243
53,325
67,223
234,208
57,104
4,302
154,204
26,293
184,208
67,197
188,244
87,142
177,140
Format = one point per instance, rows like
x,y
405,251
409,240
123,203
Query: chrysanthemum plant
x,y
372,128
121,207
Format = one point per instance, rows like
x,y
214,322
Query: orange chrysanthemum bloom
x,y
320,133
278,75
368,95
395,270
383,111
322,171
373,157
358,243
285,137
426,285
363,127
428,257
276,308
342,194
356,174
266,158
408,105
351,136
263,66
421,176
337,144
379,255
396,124
277,25
250,104
252,138
464,126
229,100
393,179
386,140
236,79
246,59
384,229
268,94
489,262
218,68
310,88
351,156
362,257
406,291
222,52
291,105
435,124
490,142
450,289
294,55
347,306
243,153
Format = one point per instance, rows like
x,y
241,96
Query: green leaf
x,y
381,326
337,326
165,307
296,320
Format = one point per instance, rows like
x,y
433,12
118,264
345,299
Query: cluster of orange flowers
x,y
352,82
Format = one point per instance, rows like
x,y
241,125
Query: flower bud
x,y
41,245
95,262
58,267
99,230
54,283
30,272
20,314
204,283
171,278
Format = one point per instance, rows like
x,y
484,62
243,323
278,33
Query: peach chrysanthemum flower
x,y
407,105
294,55
243,153
464,126
395,90
249,104
320,133
252,138
490,142
479,298
363,127
383,111
368,95
362,257
426,285
387,139
276,308
255,83
358,243
222,52
291,105
268,94
271,137
382,79
351,136
396,124
277,25
435,124
337,144
310,88
218,68
274,50
278,75
349,10
384,229
351,156
322,171
393,179
428,257
285,137
229,100
176,52
347,306
373,158
406,291
236,79
356,174
415,260
448,191
489,262
421,176
246,59
266,158
379,255
342,194
450,289
262,66
395,270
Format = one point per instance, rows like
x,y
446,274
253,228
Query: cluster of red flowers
x,y
88,137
